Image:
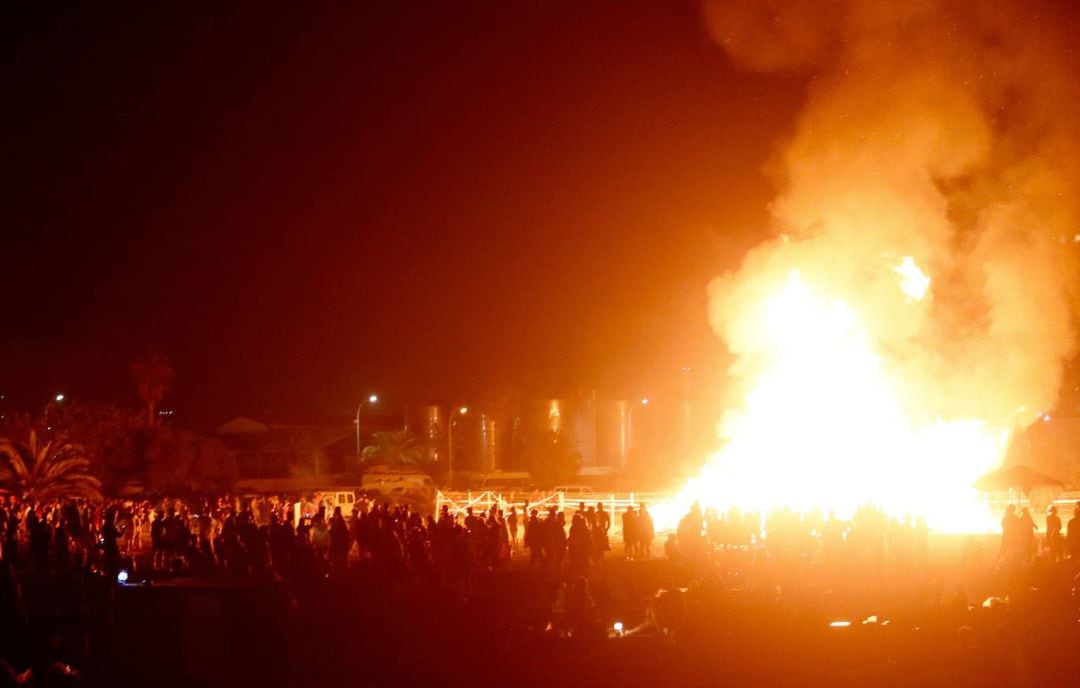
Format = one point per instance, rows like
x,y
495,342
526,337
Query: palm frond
x,y
37,470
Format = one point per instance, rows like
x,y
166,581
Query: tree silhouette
x,y
392,449
153,374
552,458
39,470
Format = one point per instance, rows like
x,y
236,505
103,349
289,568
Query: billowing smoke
x,y
946,132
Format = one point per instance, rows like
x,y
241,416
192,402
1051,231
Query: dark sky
x,y
437,201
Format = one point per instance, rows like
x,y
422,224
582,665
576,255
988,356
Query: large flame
x,y
823,426
920,296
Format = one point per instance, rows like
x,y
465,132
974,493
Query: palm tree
x,y
153,375
37,470
393,449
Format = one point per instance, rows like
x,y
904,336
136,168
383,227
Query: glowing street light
x,y
52,402
373,399
55,400
460,411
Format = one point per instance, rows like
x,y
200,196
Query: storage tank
x,y
574,419
475,445
613,433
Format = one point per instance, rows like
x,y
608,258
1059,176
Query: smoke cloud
x,y
943,131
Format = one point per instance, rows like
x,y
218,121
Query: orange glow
x,y
917,305
823,426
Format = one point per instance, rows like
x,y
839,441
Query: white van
x,y
346,499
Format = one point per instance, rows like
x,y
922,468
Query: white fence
x,y
617,502
614,502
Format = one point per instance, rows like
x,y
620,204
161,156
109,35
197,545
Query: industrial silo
x,y
613,433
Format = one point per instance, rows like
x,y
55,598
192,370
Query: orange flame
x,y
923,149
823,427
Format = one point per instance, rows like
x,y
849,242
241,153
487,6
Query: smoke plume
x,y
941,131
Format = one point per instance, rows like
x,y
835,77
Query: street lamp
x,y
52,402
373,399
48,407
461,411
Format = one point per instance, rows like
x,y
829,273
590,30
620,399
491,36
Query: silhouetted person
x,y
110,546
601,545
533,538
646,532
1072,535
1010,532
340,541
1053,534
157,539
512,525
1025,538
580,546
580,609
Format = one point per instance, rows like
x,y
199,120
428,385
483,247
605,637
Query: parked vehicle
x,y
345,498
414,488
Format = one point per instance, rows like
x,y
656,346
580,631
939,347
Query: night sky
x,y
436,201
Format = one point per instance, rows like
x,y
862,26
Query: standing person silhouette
x,y
1053,534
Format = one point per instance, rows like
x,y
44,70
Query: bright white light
x,y
840,624
463,410
618,627
852,434
59,397
373,399
913,281
122,577
645,401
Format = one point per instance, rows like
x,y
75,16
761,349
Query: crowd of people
x,y
1019,535
89,547
289,537
60,561
869,533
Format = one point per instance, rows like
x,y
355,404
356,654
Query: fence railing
x,y
614,502
617,502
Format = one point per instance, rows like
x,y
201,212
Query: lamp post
x,y
373,399
48,407
460,411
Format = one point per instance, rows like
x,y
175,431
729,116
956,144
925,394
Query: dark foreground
x,y
348,633
395,600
